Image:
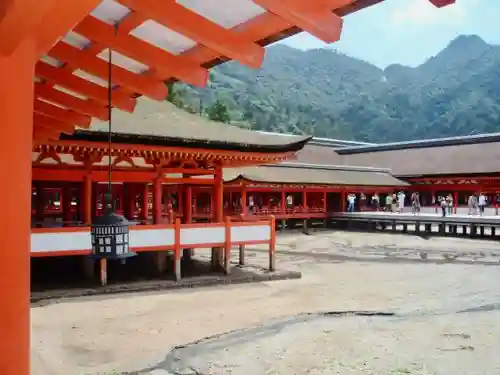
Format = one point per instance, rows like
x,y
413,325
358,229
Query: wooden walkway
x,y
474,226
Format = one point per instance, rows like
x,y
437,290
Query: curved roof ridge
x,y
422,143
330,167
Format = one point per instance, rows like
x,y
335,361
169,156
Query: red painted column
x,y
157,196
16,144
325,204
304,200
188,204
343,198
218,196
145,203
455,201
244,200
87,200
128,200
283,202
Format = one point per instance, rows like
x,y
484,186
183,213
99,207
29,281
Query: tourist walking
x,y
482,203
472,204
362,202
415,203
394,202
388,203
449,201
444,206
351,201
401,201
376,202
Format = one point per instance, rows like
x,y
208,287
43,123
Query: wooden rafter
x,y
315,17
87,107
66,79
62,17
442,3
200,29
51,123
164,63
87,61
62,114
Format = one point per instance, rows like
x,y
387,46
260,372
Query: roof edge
x,y
155,140
329,167
424,143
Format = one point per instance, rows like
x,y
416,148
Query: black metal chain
x,y
110,121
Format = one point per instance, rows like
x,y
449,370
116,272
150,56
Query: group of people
x,y
446,204
477,203
395,202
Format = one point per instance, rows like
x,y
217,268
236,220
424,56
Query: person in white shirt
x,y
251,204
401,201
351,200
482,203
289,201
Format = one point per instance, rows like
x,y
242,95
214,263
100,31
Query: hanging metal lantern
x,y
110,232
110,236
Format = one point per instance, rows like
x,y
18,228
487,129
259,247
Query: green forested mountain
x,y
327,94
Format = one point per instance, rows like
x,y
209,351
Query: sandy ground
x,y
430,335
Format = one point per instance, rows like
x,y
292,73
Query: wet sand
x,y
430,333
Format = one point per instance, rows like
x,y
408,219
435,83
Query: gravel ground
x,y
430,333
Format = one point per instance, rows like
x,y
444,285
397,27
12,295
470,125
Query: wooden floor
x,y
408,216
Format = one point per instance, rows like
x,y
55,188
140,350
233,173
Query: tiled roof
x,y
314,174
164,122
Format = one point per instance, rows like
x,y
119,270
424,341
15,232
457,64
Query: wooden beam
x,y
51,123
164,63
200,29
41,131
142,84
82,106
66,79
63,16
65,115
49,174
18,19
442,3
320,22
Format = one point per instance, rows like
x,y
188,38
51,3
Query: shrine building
x,y
67,64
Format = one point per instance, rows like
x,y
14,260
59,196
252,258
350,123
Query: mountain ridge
x,y
325,93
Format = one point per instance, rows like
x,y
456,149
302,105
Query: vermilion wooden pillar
x,y
157,195
87,200
244,200
343,203
218,196
188,204
16,125
283,202
145,203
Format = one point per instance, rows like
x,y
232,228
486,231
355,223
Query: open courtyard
x,y
442,292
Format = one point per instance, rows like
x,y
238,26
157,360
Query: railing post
x,y
227,246
103,264
177,249
272,245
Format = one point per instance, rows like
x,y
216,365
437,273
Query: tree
x,y
175,95
218,112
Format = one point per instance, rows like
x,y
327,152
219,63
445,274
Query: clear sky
x,y
409,31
